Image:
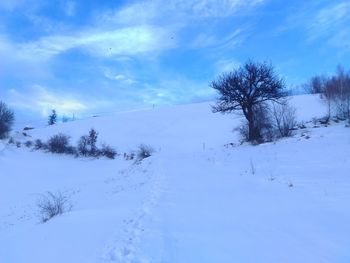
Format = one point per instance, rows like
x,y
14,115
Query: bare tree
x,y
316,84
337,93
245,88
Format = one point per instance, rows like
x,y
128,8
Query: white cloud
x,y
329,19
157,10
179,17
226,65
38,98
122,78
206,40
123,41
332,25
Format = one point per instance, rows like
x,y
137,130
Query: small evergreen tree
x,y
92,140
87,144
52,118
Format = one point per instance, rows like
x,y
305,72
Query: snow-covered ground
x,y
194,200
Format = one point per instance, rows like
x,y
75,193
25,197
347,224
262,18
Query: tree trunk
x,y
251,124
254,130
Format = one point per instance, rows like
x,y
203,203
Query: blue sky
x,y
88,56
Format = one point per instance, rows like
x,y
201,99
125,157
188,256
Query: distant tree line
x,y
335,90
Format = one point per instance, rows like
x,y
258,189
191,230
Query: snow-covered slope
x,y
194,200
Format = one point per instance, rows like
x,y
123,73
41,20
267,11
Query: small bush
x,y
38,144
59,144
11,141
28,144
51,205
83,145
144,152
243,130
129,156
108,151
72,151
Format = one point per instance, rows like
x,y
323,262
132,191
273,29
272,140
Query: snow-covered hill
x,y
194,200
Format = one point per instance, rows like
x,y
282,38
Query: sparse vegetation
x,y
51,205
59,143
284,117
107,151
11,140
144,152
38,144
28,144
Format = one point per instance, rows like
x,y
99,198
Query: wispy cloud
x,y
226,65
205,40
122,78
331,24
123,41
155,10
179,16
329,19
41,99
10,4
70,8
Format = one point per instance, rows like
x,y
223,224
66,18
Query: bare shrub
x,y
38,144
144,152
107,151
261,123
83,145
59,143
284,118
129,156
243,130
51,205
11,140
28,144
